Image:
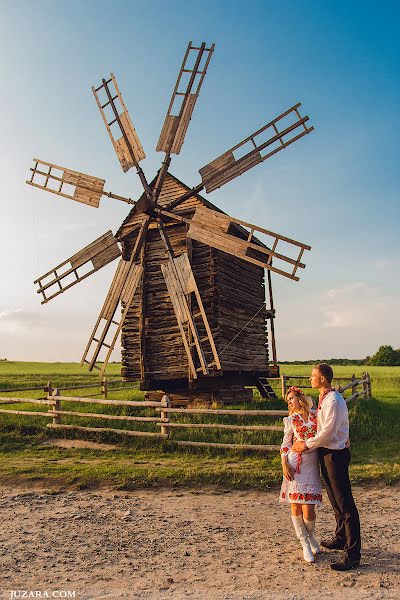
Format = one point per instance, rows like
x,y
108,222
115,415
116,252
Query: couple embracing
x,y
312,439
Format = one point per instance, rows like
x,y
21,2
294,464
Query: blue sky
x,y
336,189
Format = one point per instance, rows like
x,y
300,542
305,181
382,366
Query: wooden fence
x,y
164,420
103,385
364,381
164,413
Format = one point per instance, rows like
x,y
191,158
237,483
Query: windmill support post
x,y
284,385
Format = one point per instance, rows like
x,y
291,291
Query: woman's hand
x,y
287,470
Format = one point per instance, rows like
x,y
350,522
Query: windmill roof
x,y
173,188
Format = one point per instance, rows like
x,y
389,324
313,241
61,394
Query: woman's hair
x,y
302,398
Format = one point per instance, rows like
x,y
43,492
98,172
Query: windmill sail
x,y
118,124
123,288
96,255
67,183
212,228
256,148
124,285
184,98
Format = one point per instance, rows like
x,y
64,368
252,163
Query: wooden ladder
x,y
180,283
265,388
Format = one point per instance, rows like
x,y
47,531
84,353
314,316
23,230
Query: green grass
x,y
26,455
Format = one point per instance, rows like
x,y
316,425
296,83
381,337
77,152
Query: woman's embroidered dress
x,y
306,485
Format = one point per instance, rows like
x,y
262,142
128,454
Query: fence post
x,y
365,384
283,380
56,406
369,387
354,386
104,387
164,415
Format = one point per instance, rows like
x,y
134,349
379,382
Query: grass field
x,y
25,453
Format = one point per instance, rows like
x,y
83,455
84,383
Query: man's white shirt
x,y
332,424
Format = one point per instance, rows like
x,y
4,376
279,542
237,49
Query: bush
x,y
386,356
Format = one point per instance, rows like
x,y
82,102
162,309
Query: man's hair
x,y
326,371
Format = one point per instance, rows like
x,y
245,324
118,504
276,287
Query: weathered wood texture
x,y
232,291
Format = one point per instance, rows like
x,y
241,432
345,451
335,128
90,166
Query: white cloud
x,y
387,262
17,320
358,305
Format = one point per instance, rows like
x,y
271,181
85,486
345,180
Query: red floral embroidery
x,y
306,497
302,430
284,450
283,495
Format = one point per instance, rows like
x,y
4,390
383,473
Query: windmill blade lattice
x,y
127,145
99,253
70,184
55,179
123,288
184,98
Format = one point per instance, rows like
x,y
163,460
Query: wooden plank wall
x,y
241,292
204,268
231,290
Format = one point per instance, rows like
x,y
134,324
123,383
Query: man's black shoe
x,y
333,544
345,564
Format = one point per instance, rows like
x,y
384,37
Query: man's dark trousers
x,y
335,471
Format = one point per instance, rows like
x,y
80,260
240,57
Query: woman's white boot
x,y
310,526
302,534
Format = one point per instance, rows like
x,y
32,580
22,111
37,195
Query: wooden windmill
x,y
190,279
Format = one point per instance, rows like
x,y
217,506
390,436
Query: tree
x,y
386,356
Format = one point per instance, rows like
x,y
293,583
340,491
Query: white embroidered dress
x,y
305,488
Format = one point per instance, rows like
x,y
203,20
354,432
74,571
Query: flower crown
x,y
309,400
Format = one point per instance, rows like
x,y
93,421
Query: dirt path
x,y
177,544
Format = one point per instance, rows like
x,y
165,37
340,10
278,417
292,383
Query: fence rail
x,y
164,413
103,385
364,380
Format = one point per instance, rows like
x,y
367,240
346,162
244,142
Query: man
x,y
334,456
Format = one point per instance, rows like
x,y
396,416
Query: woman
x,y
301,486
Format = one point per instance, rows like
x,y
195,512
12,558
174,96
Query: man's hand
x,y
299,446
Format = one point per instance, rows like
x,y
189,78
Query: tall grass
x,y
24,451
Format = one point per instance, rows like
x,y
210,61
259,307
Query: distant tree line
x,y
386,356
